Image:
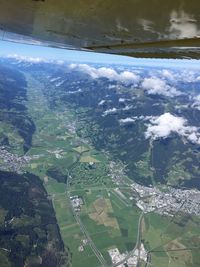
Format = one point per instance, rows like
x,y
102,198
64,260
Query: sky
x,y
158,127
10,48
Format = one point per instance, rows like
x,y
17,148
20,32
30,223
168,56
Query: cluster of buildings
x,y
168,202
57,153
82,245
76,202
11,162
116,173
71,127
126,259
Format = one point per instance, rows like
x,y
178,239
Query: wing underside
x,y
139,28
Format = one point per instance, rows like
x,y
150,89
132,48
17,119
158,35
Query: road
x,y
137,245
91,243
83,228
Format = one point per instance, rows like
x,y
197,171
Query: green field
x,y
65,162
172,241
109,221
55,146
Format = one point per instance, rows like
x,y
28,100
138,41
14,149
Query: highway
x,y
86,234
137,245
91,243
84,230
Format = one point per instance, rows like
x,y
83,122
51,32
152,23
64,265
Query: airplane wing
x,y
139,28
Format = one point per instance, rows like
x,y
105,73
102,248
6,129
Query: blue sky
x,y
9,48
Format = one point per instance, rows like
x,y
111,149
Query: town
x,y
12,162
148,199
167,203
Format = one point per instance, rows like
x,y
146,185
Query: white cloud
x,y
74,92
157,86
186,76
126,108
126,121
194,138
196,103
166,124
26,59
169,75
146,118
122,100
59,83
125,77
111,86
55,79
110,112
101,102
33,60
128,77
131,120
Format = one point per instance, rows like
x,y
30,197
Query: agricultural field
x,y
172,241
54,152
57,152
109,220
69,164
72,237
8,134
79,150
